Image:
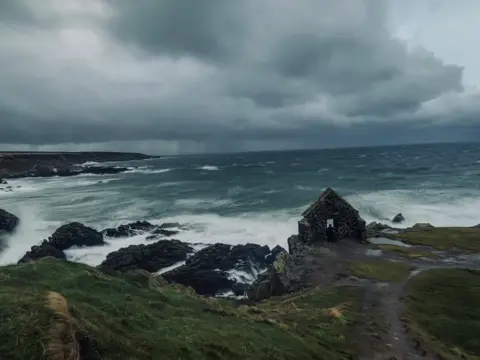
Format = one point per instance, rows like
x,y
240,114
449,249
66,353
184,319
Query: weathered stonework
x,y
346,219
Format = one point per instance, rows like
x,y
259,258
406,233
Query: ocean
x,y
249,197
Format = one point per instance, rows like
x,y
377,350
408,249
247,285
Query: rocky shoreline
x,y
44,164
374,276
242,271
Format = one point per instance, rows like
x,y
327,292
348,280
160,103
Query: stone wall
x,y
347,221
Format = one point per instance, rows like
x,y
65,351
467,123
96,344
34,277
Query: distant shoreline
x,y
17,164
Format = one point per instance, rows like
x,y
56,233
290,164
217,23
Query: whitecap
x,y
208,168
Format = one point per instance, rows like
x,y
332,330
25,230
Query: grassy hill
x,y
59,310
63,310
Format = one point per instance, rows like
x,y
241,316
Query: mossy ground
x,y
409,252
444,238
381,270
443,312
140,317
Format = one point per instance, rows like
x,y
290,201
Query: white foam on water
x,y
31,231
439,208
263,228
94,255
208,168
148,171
89,163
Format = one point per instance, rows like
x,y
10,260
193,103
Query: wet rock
x,y
3,182
221,268
45,249
141,227
287,274
49,171
66,236
134,228
151,257
75,234
398,219
8,222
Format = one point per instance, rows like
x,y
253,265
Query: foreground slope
x,y
63,310
443,312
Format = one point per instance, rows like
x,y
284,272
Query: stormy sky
x,y
174,76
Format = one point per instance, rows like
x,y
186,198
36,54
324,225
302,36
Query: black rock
x,y
151,257
65,237
205,282
8,222
221,268
130,229
398,219
43,250
75,234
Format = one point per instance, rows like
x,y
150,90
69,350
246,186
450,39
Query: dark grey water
x,y
253,197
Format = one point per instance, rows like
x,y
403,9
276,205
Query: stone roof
x,y
328,195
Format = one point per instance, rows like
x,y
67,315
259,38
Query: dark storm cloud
x,y
222,72
206,28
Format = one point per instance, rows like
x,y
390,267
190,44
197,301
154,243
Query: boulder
x,y
75,234
65,237
45,249
220,268
8,222
398,219
151,257
287,274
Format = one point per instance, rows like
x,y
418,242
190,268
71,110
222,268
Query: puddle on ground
x,y
372,252
386,241
390,231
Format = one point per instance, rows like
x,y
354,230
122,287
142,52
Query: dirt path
x,y
329,265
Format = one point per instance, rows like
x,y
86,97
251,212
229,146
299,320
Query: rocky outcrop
x,y
151,257
45,249
222,268
75,234
65,237
398,219
8,222
287,274
375,229
423,226
130,229
14,165
49,171
141,227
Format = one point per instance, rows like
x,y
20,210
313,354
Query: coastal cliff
x,y
23,164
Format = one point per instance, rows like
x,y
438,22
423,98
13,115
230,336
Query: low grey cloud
x,y
223,75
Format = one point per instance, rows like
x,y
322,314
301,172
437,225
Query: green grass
x,y
381,270
443,312
408,252
141,317
445,238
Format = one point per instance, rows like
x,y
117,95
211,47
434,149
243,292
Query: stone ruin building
x,y
331,208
